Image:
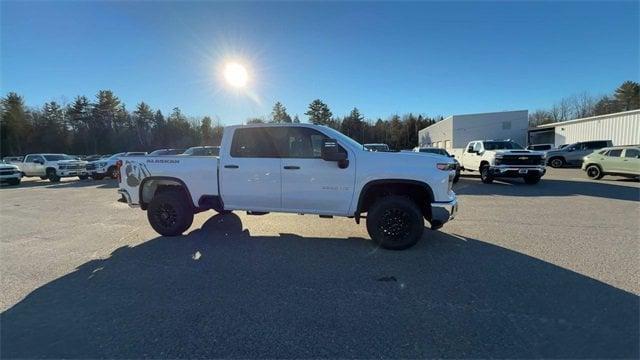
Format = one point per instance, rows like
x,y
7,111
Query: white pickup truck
x,y
301,168
52,167
502,158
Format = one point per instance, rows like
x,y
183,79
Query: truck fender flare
x,y
372,183
144,181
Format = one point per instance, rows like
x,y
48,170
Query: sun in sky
x,y
235,75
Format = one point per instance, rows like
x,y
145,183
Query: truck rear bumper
x,y
441,212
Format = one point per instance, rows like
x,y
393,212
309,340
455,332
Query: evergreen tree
x,y
14,126
143,120
319,113
279,114
353,125
628,95
206,131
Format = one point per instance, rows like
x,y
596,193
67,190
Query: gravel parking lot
x,y
550,270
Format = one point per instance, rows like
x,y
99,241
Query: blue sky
x,y
421,57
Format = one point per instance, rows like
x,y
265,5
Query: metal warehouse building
x,y
454,132
622,128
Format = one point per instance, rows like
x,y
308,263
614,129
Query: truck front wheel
x,y
52,176
169,213
395,222
485,174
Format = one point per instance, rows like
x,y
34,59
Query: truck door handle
x,y
291,167
231,166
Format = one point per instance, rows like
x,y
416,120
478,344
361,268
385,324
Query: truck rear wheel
x,y
169,213
395,222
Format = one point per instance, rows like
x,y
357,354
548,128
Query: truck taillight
x,y
118,166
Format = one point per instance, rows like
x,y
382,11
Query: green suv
x,y
617,160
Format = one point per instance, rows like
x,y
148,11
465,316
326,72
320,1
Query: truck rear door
x,y
250,171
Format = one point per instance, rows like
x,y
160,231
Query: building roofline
x,y
552,125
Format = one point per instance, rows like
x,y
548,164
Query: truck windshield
x,y
501,145
58,157
434,151
377,147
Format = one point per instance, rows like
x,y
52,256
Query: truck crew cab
x,y
503,158
301,168
52,167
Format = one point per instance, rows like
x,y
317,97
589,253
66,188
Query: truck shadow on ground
x,y
100,184
222,292
471,185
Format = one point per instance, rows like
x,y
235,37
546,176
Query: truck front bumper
x,y
71,172
441,212
124,194
11,177
516,171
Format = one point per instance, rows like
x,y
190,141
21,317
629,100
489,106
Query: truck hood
x,y
406,158
8,167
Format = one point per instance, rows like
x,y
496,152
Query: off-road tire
x,y
83,177
169,213
594,172
532,179
556,162
485,175
395,222
52,176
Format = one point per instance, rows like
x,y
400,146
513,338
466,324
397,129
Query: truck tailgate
x,y
198,173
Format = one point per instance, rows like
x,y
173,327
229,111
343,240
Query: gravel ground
x,y
550,270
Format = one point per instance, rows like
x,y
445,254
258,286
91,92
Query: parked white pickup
x,y
300,168
502,158
52,166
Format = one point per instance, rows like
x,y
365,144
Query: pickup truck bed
x,y
155,171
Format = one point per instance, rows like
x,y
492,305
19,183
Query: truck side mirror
x,y
452,156
331,152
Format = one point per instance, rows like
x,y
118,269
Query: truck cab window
x,y
253,142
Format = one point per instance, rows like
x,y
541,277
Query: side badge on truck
x,y
135,172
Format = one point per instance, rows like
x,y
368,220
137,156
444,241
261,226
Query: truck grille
x,y
8,172
91,166
520,160
72,167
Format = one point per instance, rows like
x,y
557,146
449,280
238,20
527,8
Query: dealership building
x,y
456,131
622,128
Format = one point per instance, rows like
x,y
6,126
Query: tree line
x,y
624,98
105,125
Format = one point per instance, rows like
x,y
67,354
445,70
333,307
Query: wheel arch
x,y
152,184
384,187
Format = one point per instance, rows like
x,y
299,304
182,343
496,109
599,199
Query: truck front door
x,y
250,174
310,184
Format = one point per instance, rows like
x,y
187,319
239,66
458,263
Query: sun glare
x,y
236,75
